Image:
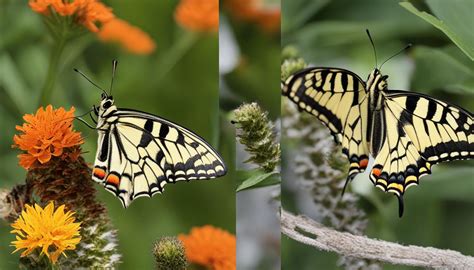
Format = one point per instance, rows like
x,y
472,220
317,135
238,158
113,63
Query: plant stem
x,y
312,233
172,57
48,86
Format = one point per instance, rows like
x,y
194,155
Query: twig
x,y
310,232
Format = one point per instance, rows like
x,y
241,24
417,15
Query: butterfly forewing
x,y
339,99
144,152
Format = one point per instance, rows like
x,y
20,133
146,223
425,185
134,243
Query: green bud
x,y
291,66
170,254
289,52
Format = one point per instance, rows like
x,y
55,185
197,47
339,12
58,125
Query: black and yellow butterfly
x,y
138,153
405,132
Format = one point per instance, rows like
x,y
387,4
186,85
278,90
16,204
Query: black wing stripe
x,y
104,148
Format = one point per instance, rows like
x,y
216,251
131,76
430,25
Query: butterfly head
x,y
377,81
106,105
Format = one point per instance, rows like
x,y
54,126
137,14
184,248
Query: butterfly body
x,y
138,153
405,132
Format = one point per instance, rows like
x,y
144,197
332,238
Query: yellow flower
x,y
52,231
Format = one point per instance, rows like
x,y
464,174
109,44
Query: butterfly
x,y
405,132
138,153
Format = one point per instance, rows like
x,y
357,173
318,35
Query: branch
x,y
310,232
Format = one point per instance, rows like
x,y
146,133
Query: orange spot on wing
x,y
99,173
113,179
363,163
376,172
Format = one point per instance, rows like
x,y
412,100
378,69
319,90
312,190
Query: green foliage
x,y
256,179
253,79
448,68
453,18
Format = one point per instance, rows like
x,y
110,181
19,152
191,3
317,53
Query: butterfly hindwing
x,y
338,98
152,151
421,131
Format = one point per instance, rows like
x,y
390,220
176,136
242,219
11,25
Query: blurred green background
x,y
440,211
188,94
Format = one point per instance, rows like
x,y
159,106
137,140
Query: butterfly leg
x,y
358,165
348,179
87,124
92,117
400,205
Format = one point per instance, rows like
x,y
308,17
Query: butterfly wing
x,y
420,131
338,98
145,152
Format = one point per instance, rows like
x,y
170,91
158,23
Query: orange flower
x,y
46,134
88,13
198,15
211,247
256,11
130,37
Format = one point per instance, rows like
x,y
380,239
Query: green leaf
x,y
14,84
454,18
446,67
297,12
450,183
258,179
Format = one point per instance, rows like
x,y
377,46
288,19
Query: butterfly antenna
x,y
402,50
373,46
74,117
114,67
86,113
83,75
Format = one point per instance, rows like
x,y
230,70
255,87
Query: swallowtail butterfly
x,y
405,132
138,153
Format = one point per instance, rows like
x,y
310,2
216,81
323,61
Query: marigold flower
x,y
198,15
89,13
130,37
46,134
54,231
256,11
211,247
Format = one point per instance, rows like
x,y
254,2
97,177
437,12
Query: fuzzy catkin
x,y
257,134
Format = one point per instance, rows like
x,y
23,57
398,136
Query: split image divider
x,y
249,63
